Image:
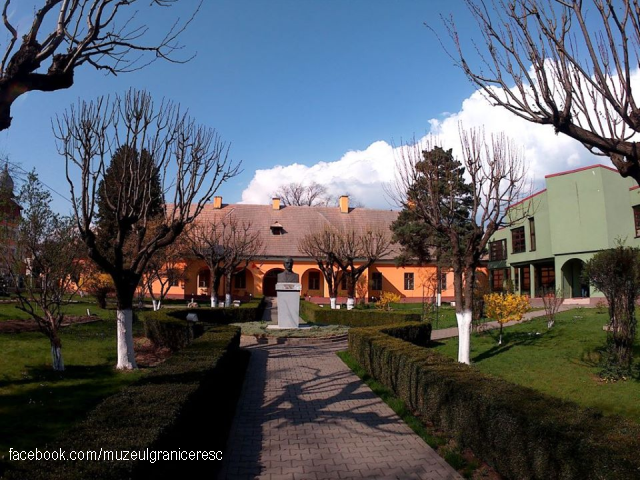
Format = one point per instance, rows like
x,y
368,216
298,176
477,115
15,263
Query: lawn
x,y
36,404
443,317
560,362
9,311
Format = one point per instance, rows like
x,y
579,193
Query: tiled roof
x,y
297,222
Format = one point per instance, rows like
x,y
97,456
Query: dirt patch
x,y
19,326
148,354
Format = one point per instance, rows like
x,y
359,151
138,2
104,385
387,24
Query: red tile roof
x,y
297,222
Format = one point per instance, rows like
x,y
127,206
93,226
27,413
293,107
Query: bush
x,y
166,331
247,312
518,431
143,415
386,299
312,313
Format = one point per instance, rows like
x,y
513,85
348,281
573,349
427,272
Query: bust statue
x,y
288,276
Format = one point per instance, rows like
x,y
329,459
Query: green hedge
x,y
247,312
522,433
143,415
166,331
313,313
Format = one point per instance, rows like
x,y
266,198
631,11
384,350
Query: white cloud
x,y
362,173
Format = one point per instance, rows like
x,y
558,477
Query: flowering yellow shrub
x,y
386,299
506,307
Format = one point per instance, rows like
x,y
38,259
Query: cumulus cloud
x,y
362,173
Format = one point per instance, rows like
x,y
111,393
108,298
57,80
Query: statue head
x,y
288,264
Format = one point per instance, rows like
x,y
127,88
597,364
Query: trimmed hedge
x,y
312,313
166,331
246,312
522,433
143,415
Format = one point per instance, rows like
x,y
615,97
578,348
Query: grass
x,y
444,318
561,362
9,311
37,404
446,448
260,329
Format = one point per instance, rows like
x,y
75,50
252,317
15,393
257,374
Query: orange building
x,y
282,228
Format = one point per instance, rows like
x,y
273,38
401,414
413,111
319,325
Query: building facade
x,y
282,227
556,230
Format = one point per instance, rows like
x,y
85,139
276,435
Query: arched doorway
x,y
312,283
573,286
269,282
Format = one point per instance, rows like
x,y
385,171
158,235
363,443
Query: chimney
x,y
344,204
217,202
275,203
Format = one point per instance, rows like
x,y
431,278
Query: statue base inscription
x,y
288,304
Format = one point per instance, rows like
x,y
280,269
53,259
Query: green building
x,y
554,231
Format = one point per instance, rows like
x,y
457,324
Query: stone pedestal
x,y
288,304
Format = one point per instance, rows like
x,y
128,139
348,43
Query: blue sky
x,y
313,90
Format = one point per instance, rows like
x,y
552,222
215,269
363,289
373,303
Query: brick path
x,y
304,415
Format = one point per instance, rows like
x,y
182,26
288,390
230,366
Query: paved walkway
x,y
304,415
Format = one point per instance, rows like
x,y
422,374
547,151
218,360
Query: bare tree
x,y
323,246
164,270
224,244
566,63
191,161
357,250
46,249
465,211
66,34
298,194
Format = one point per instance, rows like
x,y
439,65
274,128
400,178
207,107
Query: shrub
x,y
166,331
246,312
386,299
506,307
312,313
518,431
616,273
143,415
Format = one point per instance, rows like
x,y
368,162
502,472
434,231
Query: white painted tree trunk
x,y
126,354
214,300
56,357
227,300
550,324
351,303
464,336
156,305
333,303
159,304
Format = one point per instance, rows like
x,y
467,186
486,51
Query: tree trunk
x,y
464,335
56,353
350,303
156,305
227,299
500,339
126,354
333,300
214,299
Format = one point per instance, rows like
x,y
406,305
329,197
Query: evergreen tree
x,y
442,175
121,180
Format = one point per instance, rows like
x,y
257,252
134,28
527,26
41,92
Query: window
x,y
636,219
517,240
376,281
240,280
443,281
314,280
498,250
408,281
174,282
498,278
525,278
532,235
203,279
547,278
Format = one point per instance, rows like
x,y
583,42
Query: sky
x,y
304,91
